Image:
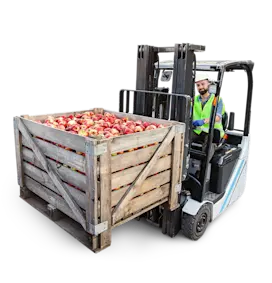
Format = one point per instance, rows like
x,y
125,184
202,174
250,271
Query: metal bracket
x,y
98,229
180,128
97,149
178,188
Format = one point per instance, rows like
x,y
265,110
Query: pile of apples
x,y
105,125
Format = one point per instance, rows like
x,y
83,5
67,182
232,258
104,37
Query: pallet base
x,y
61,219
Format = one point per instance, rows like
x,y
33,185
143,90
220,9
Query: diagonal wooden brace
x,y
52,173
118,211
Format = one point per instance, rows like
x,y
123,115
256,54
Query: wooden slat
x,y
135,140
147,199
105,195
149,184
53,174
49,197
43,178
128,159
62,155
119,209
18,148
61,137
176,173
134,117
66,174
127,176
92,187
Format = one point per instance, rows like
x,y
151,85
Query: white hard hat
x,y
201,77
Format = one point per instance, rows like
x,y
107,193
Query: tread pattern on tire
x,y
188,223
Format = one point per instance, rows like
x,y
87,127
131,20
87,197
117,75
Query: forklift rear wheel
x,y
194,226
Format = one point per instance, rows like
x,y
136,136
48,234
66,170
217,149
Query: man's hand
x,y
198,123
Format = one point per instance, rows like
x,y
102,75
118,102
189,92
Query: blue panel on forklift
x,y
233,185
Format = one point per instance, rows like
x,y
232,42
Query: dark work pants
x,y
203,138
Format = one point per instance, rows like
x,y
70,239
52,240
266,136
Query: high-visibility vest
x,y
200,114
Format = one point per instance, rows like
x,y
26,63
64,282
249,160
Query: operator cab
x,y
210,178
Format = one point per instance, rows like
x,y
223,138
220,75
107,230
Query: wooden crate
x,y
100,183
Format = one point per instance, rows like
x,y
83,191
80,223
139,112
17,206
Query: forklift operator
x,y
202,111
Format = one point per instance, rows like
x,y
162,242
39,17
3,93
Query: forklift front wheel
x,y
194,226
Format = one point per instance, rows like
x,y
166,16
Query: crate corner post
x,y
18,152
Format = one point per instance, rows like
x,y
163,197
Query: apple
x,y
87,113
108,135
117,127
71,123
61,127
132,127
138,122
107,130
138,129
101,121
117,121
78,115
146,124
92,132
83,133
83,127
150,127
95,118
88,122
71,117
128,131
114,131
160,126
76,128
125,119
50,119
107,125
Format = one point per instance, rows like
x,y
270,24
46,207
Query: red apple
x,y
78,115
92,132
106,124
117,127
125,119
107,130
71,117
128,131
95,118
108,135
132,127
76,128
160,126
146,124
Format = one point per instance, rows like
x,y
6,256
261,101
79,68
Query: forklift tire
x,y
194,226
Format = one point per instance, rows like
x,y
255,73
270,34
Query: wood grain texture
x,y
18,151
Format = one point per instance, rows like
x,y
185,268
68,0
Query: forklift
x,y
209,185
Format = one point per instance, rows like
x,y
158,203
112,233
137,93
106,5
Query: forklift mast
x,y
184,60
